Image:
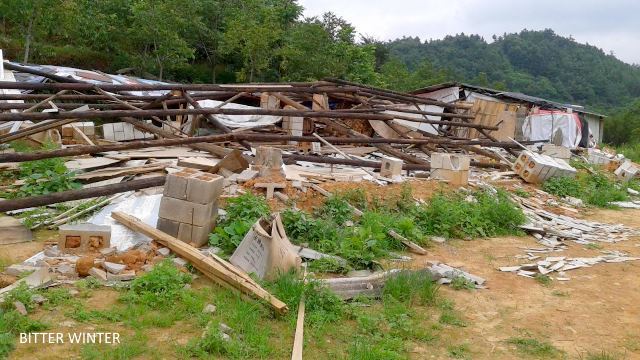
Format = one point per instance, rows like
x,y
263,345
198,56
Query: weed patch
x,y
462,283
242,213
530,346
412,287
543,280
596,188
461,351
158,288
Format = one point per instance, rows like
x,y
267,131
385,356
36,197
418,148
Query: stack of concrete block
x,y
81,238
189,205
391,168
268,161
122,132
87,127
599,157
453,168
556,151
627,171
536,168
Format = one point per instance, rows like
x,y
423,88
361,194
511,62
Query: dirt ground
x,y
597,310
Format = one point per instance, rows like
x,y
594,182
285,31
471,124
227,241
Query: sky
x,y
611,25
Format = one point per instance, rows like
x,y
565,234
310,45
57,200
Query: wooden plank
x,y
217,269
413,247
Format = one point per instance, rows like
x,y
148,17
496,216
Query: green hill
x,y
539,63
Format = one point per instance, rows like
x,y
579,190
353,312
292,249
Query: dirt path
x,y
597,310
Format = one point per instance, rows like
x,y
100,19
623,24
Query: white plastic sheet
x,y
239,121
547,125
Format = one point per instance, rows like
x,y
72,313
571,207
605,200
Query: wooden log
x,y
379,142
220,269
385,148
110,114
54,198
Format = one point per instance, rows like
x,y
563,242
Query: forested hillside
x,y
539,63
225,41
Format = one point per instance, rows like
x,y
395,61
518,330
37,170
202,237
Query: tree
x,y
28,18
156,33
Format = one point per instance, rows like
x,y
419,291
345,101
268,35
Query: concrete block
x,y
168,227
453,177
187,212
450,161
536,168
627,171
204,188
598,157
195,235
79,238
194,186
391,167
176,185
163,251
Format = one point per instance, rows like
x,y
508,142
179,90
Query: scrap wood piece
x,y
270,187
298,339
121,171
413,247
217,269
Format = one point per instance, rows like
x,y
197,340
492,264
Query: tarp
x,y
239,121
556,126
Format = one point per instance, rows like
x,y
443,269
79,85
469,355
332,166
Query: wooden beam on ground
x,y
54,198
218,270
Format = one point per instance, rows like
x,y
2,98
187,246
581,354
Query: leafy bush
x,y
158,288
563,186
593,188
456,215
42,177
242,213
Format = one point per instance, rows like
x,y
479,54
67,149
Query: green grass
x,y
594,246
446,214
544,280
534,347
462,283
129,348
412,287
597,189
630,151
559,293
242,213
13,323
450,317
460,351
